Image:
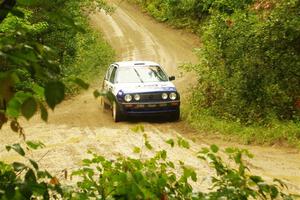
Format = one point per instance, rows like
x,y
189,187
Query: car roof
x,y
135,63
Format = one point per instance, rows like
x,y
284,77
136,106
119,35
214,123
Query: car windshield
x,y
141,74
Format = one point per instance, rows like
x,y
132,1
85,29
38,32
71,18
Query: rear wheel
x,y
116,112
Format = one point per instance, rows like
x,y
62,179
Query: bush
x,y
250,63
20,181
181,14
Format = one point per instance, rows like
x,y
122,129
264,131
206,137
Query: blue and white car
x,y
140,88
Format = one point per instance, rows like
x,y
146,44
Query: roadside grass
x,y
276,133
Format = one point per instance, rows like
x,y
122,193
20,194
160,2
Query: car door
x,y
109,83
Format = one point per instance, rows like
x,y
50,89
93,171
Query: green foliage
x,y
188,13
46,47
179,13
21,181
143,178
29,107
170,142
250,62
127,178
237,183
138,129
34,144
17,148
182,143
54,93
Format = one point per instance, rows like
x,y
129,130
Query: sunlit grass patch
x,y
276,132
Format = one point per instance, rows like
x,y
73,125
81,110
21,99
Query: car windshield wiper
x,y
138,75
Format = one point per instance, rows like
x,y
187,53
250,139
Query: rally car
x,y
140,88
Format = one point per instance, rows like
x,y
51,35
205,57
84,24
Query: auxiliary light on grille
x,y
137,97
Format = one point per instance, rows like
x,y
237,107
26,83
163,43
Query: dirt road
x,y
79,124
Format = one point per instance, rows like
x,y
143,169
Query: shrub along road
x,y
79,124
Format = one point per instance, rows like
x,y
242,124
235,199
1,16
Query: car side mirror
x,y
171,78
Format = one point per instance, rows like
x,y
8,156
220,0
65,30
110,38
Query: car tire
x,y
175,116
116,112
104,106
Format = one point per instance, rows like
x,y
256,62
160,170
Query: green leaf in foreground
x,y
17,148
35,144
18,166
29,108
34,164
163,154
148,145
44,112
54,93
183,143
136,150
13,108
214,148
170,142
138,129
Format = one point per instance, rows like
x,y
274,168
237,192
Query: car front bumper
x,y
149,108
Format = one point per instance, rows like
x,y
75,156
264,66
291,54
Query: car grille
x,y
150,97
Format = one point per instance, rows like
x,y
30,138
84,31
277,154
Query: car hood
x,y
145,87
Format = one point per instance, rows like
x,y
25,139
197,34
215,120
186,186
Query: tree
x,y
37,42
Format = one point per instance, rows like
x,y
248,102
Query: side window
x,y
113,75
109,72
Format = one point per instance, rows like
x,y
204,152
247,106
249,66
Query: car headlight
x,y
127,97
164,96
173,95
137,97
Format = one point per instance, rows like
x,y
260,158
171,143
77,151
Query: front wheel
x,y
104,106
116,112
